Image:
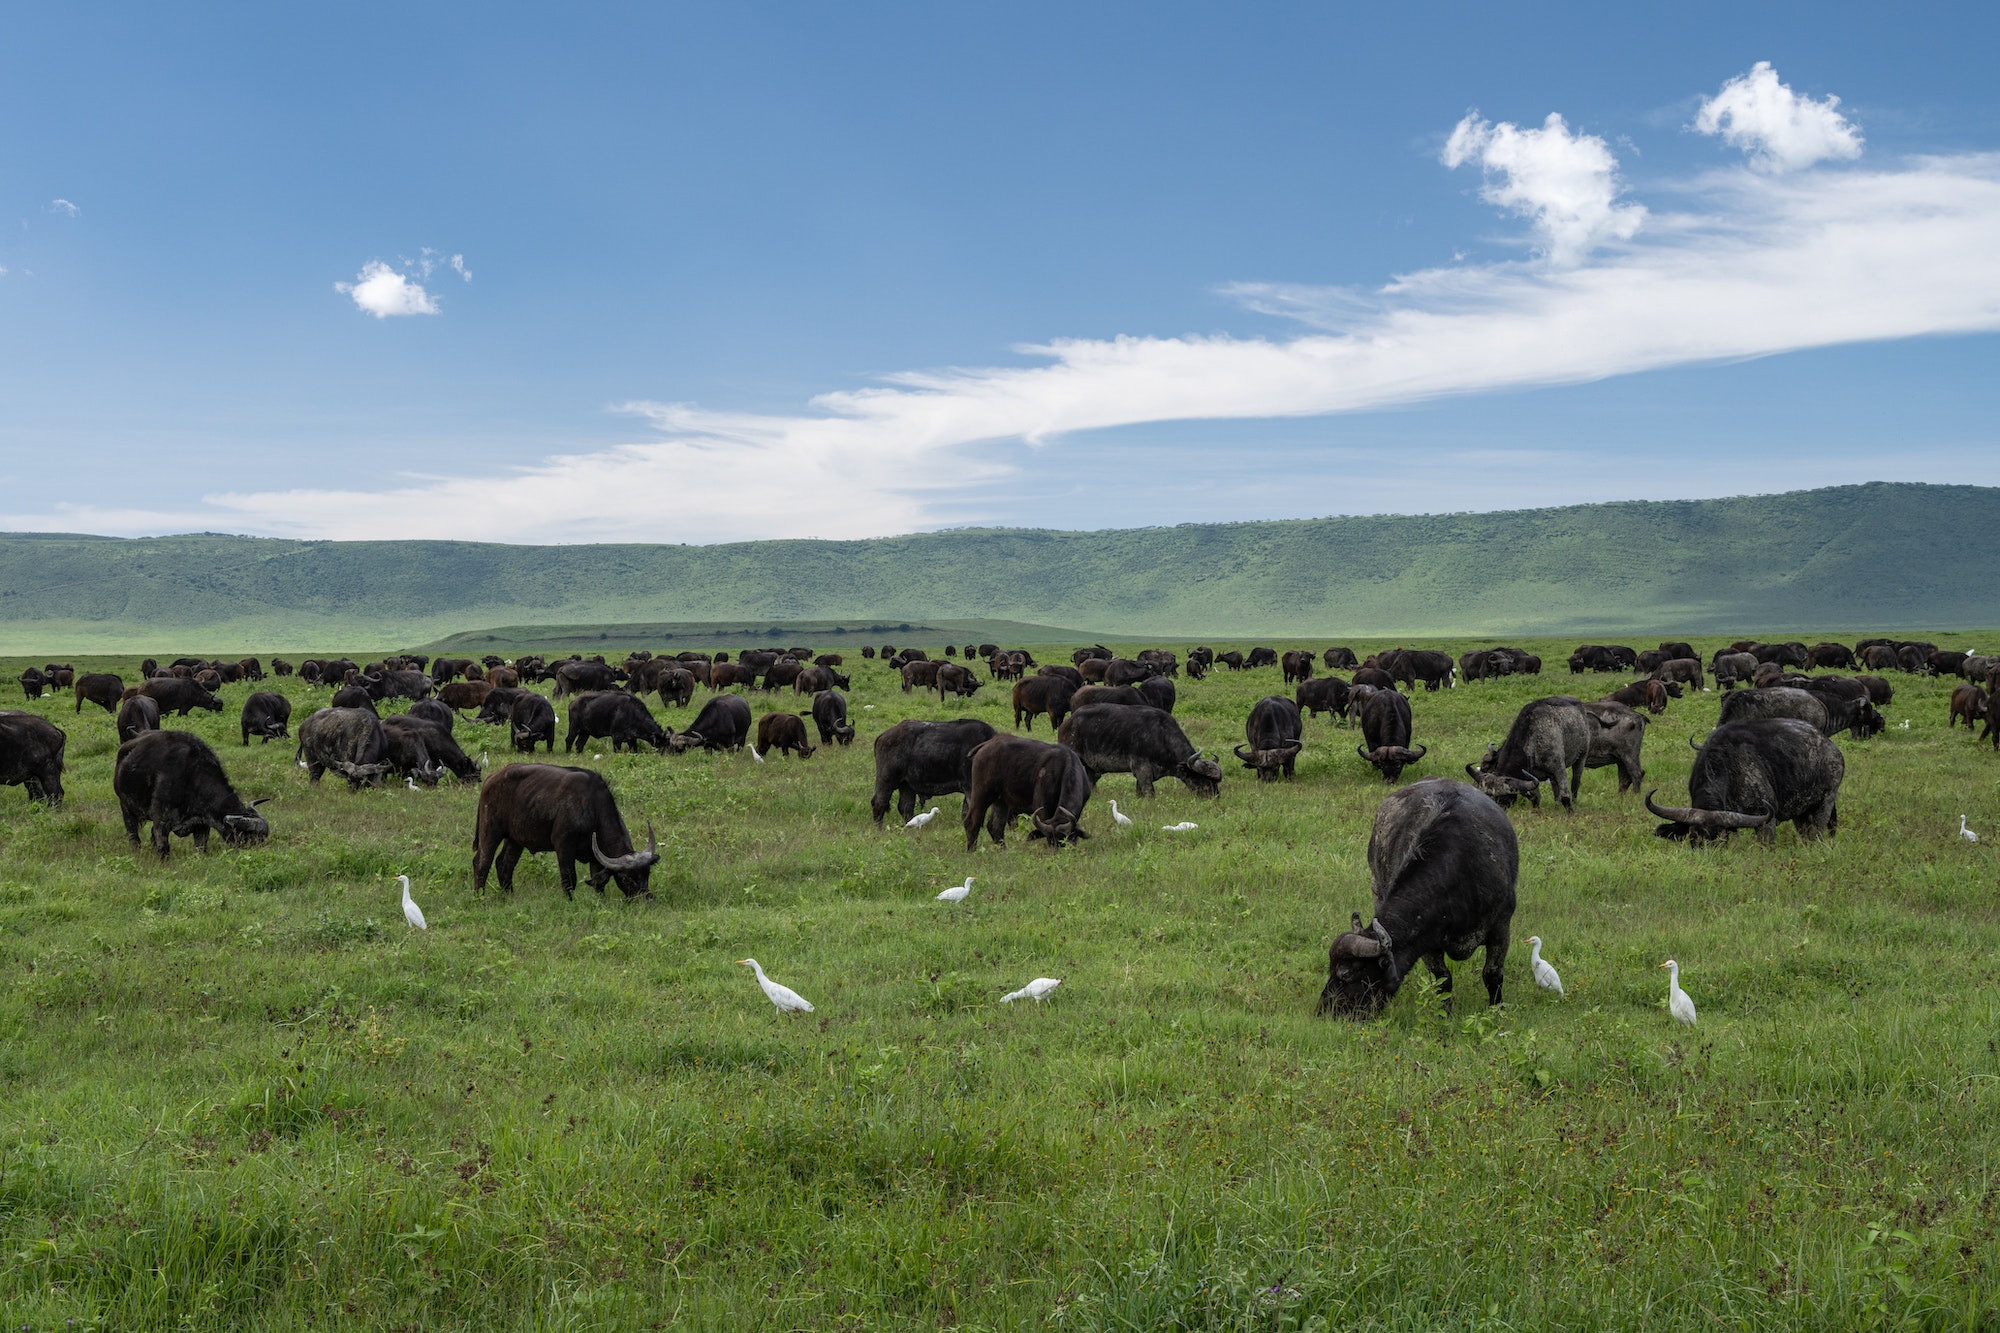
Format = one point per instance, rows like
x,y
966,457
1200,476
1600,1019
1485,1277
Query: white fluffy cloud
x,y
1780,130
1566,183
63,208
382,292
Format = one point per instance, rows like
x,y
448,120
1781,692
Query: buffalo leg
x,y
997,820
1495,970
566,872
131,823
973,815
510,856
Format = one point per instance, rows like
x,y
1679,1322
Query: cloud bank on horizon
x,y
1778,253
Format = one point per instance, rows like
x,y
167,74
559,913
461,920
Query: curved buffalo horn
x,y
521,735
1473,772
1715,819
633,861
259,801
1696,745
1678,814
245,821
1293,747
1239,753
1365,753
1361,945
1411,756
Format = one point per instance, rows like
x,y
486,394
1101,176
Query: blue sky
x,y
790,270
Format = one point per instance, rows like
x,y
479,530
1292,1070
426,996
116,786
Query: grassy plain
x,y
237,1092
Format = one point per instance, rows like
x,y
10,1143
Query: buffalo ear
x,y
1356,918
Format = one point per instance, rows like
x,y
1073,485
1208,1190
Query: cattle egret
x,y
787,999
410,782
1122,821
868,708
1183,827
923,819
1905,725
1036,990
597,756
304,764
411,912
754,755
1545,976
1965,832
957,892
1678,1003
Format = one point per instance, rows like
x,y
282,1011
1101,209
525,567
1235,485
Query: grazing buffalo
x,y
1848,707
1434,669
1275,734
1142,741
568,811
1297,666
1125,695
814,679
1163,661
1549,742
174,781
1096,652
586,677
1120,671
676,687
1758,775
1730,668
782,731
1881,692
1386,727
1061,672
1042,694
919,675
498,705
1649,694
1968,702
99,688
1444,861
917,760
1093,669
1837,655
1328,694
1375,678
178,696
829,714
781,673
280,667
1260,657
620,718
31,756
958,680
1012,776
137,714
1340,659
531,721
1880,657
722,724
353,696
1777,701
464,693
1686,670
432,711
1159,692
33,683
350,741
424,751
1232,659
268,715
1617,734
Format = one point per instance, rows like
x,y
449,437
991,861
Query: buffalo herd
x,y
1443,854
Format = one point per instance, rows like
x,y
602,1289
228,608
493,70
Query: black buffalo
x,y
31,756
622,719
568,811
1328,694
1275,734
1617,734
99,688
1386,727
137,714
1042,694
1142,741
266,714
1444,861
782,731
1549,741
1758,775
531,721
350,741
1012,776
174,781
917,760
829,714
433,710
178,696
722,724
425,750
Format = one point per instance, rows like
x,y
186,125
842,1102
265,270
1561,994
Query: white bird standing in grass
x,y
411,912
923,819
957,892
1183,827
1036,990
1965,832
1678,1003
754,755
1122,821
787,999
411,783
1545,976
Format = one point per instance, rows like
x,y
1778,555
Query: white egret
x,y
1545,976
411,912
784,997
868,708
1904,725
304,764
1965,832
957,892
754,755
410,782
1678,1003
923,819
1121,820
1183,827
1036,990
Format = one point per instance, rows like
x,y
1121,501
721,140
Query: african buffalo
x,y
464,693
1013,776
267,714
954,679
620,718
531,721
1297,666
1339,659
1444,860
1548,742
1328,694
350,741
1778,701
174,781
917,760
1649,694
1758,775
1274,732
178,696
568,811
676,686
1684,669
1968,702
31,756
137,714
1142,741
99,688
1042,694
1385,725
1730,668
829,714
1617,734
424,750
782,731
722,724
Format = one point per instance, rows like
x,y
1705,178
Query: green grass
x,y
237,1092
1840,558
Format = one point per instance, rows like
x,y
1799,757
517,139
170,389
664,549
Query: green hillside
x,y
1878,555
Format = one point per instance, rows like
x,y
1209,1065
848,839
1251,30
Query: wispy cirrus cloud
x,y
1732,264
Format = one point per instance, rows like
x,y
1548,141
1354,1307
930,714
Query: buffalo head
x,y
633,871
1389,759
1699,826
1202,776
1058,830
1361,971
1269,763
